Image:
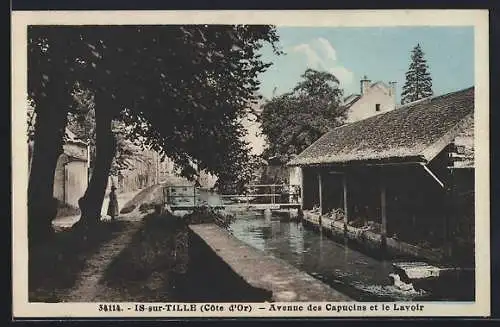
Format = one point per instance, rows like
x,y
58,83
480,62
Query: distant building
x,y
146,168
273,172
374,98
71,174
143,169
253,128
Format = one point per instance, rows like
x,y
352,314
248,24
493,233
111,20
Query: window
x,y
377,107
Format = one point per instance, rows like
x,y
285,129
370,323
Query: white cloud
x,y
328,48
313,59
344,75
321,55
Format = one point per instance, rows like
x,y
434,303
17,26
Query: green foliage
x,y
48,61
294,120
81,121
418,83
203,215
182,90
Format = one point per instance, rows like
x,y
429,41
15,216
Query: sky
x,y
380,53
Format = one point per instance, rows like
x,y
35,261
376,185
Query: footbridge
x,y
254,197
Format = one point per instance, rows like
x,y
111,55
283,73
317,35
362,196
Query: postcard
x,y
330,163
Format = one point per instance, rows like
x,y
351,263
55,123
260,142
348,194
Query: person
x,y
113,203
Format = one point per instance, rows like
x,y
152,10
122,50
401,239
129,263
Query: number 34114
x,y
110,307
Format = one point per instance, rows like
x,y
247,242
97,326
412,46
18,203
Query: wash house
x,y
408,173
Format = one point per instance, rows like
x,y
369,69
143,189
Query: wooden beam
x,y
344,184
262,185
433,175
383,207
301,194
320,188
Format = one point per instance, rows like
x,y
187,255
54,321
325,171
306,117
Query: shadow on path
x,y
164,262
67,266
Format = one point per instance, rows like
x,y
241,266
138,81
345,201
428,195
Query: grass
x,y
55,265
204,215
165,262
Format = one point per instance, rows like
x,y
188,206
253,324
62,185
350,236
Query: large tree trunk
x,y
91,202
48,139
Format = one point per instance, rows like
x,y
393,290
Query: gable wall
x,y
365,106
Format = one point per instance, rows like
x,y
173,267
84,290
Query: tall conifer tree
x,y
418,83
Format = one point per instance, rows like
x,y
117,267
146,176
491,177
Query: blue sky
x,y
379,53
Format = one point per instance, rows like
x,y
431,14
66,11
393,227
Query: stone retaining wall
x,y
260,270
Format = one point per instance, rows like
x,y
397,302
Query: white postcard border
x,y
338,18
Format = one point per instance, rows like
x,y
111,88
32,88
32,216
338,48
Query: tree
x,y
206,91
50,89
292,121
81,121
182,89
418,83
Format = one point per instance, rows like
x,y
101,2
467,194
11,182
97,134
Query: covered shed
x,y
406,171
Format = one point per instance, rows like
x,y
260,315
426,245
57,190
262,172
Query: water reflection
x,y
360,276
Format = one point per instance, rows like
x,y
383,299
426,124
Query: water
x,y
358,275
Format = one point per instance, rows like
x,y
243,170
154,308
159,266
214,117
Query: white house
x,y
374,98
71,173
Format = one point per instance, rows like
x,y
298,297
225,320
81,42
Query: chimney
x,y
365,84
392,91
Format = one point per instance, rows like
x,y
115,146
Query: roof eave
x,y
417,159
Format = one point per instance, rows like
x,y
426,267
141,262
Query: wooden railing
x,y
262,193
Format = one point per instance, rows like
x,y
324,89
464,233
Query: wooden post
x,y
383,209
344,184
449,213
320,188
300,196
272,196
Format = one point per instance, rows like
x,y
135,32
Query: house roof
x,y
72,138
380,83
417,131
351,99
79,153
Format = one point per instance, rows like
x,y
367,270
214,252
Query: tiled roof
x,y
416,131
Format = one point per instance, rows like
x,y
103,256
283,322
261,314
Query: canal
x,y
358,275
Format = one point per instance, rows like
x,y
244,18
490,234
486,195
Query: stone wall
x,y
76,182
70,177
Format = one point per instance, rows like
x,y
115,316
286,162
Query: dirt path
x,y
87,287
68,221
